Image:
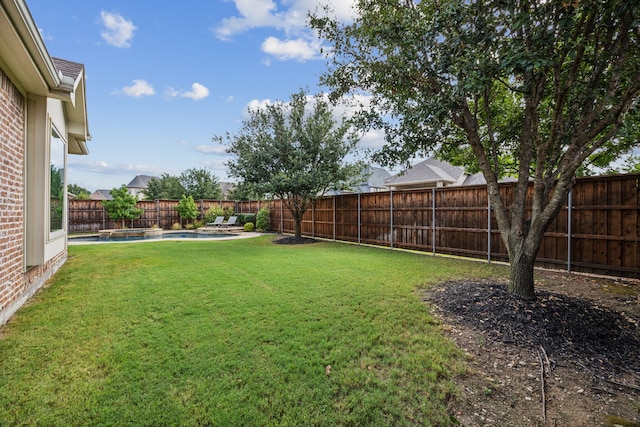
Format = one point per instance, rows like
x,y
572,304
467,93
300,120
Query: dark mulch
x,y
292,240
601,340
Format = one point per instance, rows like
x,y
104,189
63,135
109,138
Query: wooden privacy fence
x,y
597,230
90,216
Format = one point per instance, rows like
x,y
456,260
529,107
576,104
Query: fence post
x,y
488,227
391,219
334,217
313,218
569,231
359,218
433,220
281,218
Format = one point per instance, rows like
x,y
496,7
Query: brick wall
x,y
12,151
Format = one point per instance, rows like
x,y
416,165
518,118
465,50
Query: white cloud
x,y
284,15
117,30
138,89
298,49
211,149
197,92
97,166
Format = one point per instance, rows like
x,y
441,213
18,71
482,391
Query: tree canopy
x,y
79,192
294,151
200,184
535,87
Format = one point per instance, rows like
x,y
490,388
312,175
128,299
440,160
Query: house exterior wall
x,y
12,200
29,254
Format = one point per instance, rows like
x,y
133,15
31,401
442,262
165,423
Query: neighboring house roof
x,y
101,195
374,179
140,181
433,173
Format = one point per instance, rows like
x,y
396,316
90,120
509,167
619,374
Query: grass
x,y
232,333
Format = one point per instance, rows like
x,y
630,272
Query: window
x,y
56,184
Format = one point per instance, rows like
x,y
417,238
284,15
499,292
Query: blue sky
x,y
163,77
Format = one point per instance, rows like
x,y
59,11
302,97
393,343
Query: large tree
x,y
198,183
166,187
201,184
544,84
293,151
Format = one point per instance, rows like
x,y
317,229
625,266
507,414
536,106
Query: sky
x,y
163,78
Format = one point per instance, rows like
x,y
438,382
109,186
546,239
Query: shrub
x,y
228,212
198,224
263,219
189,226
176,226
212,213
245,218
249,226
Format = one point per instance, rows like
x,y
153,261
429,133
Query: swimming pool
x,y
167,235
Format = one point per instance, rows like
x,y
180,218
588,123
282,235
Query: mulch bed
x,y
292,240
564,328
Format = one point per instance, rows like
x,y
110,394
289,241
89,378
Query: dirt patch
x,y
570,358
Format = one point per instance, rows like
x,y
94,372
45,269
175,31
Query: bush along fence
x,y
597,231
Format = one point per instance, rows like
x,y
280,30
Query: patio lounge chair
x,y
231,221
216,223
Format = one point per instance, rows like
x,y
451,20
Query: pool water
x,y
164,236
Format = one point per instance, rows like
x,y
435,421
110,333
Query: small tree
x,y
293,154
123,206
187,208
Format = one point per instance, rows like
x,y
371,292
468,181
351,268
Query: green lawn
x,y
232,333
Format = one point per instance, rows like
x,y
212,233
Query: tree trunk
x,y
521,275
298,227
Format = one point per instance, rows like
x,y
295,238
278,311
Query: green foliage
x,y
201,184
244,191
244,218
294,151
632,165
166,187
229,212
263,219
123,206
198,224
81,193
249,226
212,213
187,208
176,226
